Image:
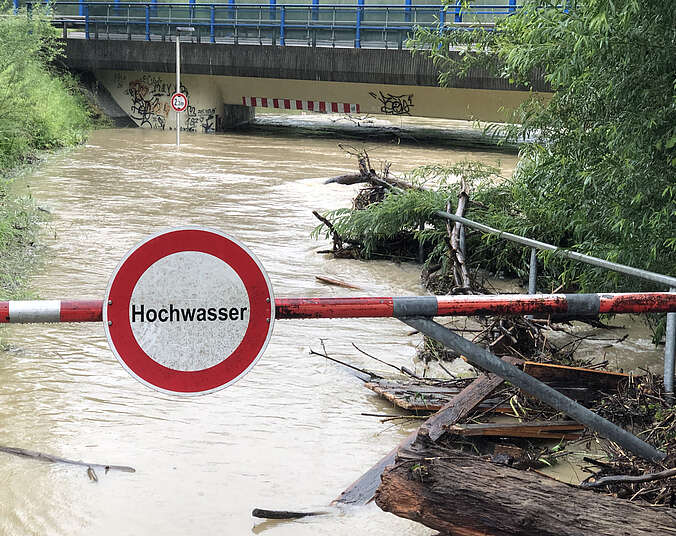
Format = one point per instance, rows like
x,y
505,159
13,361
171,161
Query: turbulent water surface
x,y
289,435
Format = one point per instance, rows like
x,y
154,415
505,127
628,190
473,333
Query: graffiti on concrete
x,y
147,106
202,120
394,104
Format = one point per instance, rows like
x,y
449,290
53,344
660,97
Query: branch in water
x,y
41,456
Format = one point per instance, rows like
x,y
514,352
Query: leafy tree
x,y
599,174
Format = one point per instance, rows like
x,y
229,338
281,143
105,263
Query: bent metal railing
x,y
315,24
535,245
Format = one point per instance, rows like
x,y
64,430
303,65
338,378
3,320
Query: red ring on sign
x,y
149,371
185,102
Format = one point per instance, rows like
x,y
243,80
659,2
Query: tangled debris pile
x,y
501,424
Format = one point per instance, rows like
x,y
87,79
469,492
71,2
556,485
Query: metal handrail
x,y
152,19
670,335
573,255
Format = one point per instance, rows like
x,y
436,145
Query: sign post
x,y
189,311
179,29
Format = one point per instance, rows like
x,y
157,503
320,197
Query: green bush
x,y
42,110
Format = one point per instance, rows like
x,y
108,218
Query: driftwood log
x,y
43,457
462,494
368,174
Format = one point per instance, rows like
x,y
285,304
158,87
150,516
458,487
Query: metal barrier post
x,y
282,19
86,11
212,19
315,9
178,85
407,11
273,10
81,8
442,22
669,351
357,32
486,360
16,6
235,28
512,6
458,11
533,271
147,22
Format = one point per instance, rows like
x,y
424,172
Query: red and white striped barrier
x,y
36,311
396,307
296,104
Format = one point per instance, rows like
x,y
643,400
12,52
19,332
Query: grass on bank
x,y
41,110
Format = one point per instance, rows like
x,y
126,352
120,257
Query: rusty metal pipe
x,y
669,351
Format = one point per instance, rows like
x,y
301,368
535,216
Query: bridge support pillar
x,y
236,116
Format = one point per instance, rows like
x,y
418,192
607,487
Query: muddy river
x,y
289,435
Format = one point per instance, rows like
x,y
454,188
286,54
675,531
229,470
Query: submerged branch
x,y
41,456
649,477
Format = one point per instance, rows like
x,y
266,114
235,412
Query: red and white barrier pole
x,y
38,311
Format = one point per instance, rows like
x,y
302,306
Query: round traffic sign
x,y
179,102
189,311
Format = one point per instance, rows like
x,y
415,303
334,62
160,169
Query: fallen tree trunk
x,y
567,430
464,495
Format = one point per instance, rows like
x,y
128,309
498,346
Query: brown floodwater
x,y
289,435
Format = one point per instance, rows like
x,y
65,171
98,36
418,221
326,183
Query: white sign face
x,y
205,308
179,102
189,311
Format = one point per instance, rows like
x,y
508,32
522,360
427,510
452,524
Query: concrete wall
x,y
145,97
140,77
372,66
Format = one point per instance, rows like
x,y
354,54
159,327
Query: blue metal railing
x,y
271,22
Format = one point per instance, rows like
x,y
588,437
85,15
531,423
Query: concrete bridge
x,y
251,57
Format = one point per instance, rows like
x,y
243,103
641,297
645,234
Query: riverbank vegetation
x,y
42,110
598,175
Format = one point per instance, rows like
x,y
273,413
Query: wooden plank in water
x,y
336,282
464,402
561,376
536,430
363,489
414,397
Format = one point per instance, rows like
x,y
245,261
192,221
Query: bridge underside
x,y
221,102
225,82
